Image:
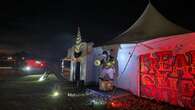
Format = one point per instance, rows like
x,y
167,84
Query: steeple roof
x,y
78,32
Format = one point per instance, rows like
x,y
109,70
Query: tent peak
x,y
151,24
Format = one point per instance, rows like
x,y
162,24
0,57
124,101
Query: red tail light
x,y
35,63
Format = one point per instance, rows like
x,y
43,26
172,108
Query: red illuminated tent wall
x,y
167,69
162,69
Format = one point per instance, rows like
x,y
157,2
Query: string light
x,y
77,94
98,102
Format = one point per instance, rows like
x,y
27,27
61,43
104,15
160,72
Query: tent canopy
x,y
151,24
176,43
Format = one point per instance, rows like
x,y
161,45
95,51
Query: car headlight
x,y
27,68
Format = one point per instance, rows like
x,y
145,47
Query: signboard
x,y
167,77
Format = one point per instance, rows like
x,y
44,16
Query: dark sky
x,y
47,26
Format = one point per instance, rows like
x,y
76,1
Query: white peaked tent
x,y
151,24
151,33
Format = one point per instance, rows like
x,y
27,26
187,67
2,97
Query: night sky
x,y
47,27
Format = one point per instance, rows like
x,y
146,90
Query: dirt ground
x,y
27,93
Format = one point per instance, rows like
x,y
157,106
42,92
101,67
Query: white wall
x,y
129,76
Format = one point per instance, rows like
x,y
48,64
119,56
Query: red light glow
x,y
167,77
35,64
117,104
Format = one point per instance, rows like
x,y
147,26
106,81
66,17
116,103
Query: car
x,y
33,66
7,61
23,62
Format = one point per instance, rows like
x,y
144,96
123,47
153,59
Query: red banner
x,y
168,78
